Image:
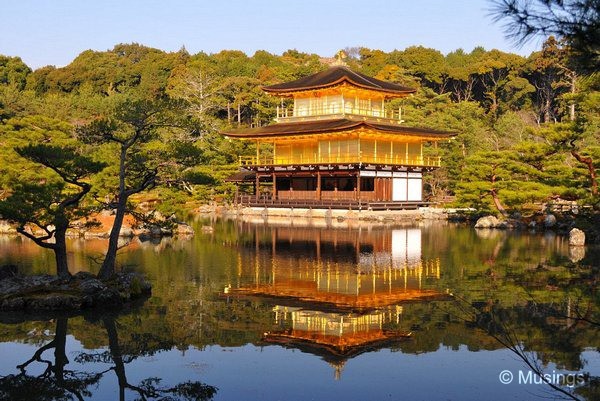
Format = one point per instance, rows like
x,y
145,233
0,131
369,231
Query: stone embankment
x,y
383,216
79,292
566,226
538,222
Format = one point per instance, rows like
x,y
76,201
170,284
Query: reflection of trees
x,y
60,384
532,301
533,334
494,322
149,388
55,382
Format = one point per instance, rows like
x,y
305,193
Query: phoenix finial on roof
x,y
340,58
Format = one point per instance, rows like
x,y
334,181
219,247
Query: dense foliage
x,y
528,127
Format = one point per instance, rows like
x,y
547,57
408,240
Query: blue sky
x,y
44,32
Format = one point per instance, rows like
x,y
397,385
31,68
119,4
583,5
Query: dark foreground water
x,y
248,311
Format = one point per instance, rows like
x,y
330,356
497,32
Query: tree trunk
x,y
572,105
469,88
589,162
60,253
239,114
496,199
108,265
494,107
497,203
547,111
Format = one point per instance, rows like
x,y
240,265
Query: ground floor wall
x,y
378,186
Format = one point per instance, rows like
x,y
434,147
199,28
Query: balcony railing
x,y
386,159
289,114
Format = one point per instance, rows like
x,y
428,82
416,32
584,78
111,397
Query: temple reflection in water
x,y
335,293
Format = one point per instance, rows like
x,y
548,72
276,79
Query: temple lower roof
x,y
334,125
306,295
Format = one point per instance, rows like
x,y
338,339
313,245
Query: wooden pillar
x,y
318,185
358,187
257,183
256,187
274,186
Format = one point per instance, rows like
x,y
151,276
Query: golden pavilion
x,y
339,145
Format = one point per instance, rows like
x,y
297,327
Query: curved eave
x,y
324,127
337,76
344,80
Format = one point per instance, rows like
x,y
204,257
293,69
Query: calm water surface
x,y
280,311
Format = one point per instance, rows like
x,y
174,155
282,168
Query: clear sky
x,y
54,32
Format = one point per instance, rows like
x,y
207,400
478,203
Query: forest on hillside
x,y
528,127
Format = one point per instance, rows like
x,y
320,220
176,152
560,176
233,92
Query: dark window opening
x,y
341,183
328,184
346,184
304,184
283,184
367,184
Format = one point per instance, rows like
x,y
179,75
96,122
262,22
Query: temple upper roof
x,y
336,76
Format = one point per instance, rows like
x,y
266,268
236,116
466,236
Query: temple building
x,y
338,145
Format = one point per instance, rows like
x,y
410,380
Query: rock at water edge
x,y
487,222
549,221
576,237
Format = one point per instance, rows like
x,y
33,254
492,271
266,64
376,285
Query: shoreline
x,y
82,291
560,223
422,213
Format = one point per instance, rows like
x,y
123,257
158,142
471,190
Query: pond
x,y
319,310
